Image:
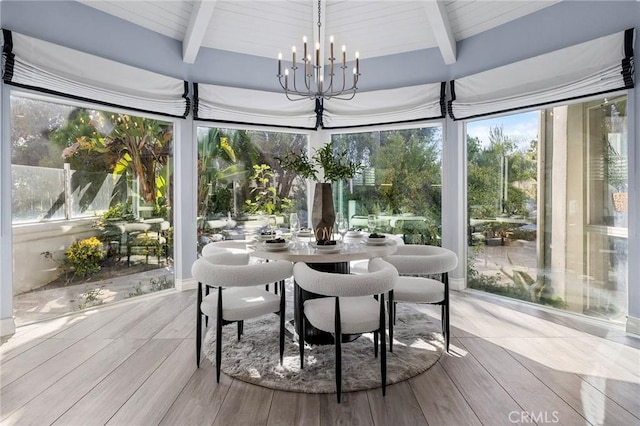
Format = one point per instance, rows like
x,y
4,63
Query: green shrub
x,y
85,256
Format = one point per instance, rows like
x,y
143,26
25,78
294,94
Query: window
x,y
547,206
240,181
91,200
400,183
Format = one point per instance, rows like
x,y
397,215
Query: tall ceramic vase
x,y
323,214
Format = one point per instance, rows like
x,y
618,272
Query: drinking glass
x,y
342,224
371,223
271,224
294,226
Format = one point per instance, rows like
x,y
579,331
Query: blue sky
x,y
523,127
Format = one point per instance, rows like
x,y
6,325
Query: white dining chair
x,y
416,264
242,297
349,308
361,266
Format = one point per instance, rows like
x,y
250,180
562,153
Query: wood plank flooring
x,y
134,364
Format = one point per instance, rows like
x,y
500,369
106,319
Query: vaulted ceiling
x,y
267,27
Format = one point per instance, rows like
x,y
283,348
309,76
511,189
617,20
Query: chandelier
x,y
310,83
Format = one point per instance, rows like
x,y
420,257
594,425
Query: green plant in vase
x,y
335,166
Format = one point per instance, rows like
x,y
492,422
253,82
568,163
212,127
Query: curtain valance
x,y
255,107
390,106
42,66
590,68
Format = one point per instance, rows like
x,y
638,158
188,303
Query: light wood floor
x,y
134,363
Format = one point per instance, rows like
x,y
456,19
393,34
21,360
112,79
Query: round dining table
x,y
336,261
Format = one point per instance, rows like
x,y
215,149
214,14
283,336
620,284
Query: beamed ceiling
x,y
267,27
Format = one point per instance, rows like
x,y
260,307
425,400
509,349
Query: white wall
x,y
31,269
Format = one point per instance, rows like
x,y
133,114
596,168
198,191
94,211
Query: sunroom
x,y
503,131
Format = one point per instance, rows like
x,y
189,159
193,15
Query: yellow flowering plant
x,y
85,256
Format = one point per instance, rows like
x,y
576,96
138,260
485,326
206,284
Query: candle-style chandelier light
x,y
310,84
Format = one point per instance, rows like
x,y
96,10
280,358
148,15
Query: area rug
x,y
418,344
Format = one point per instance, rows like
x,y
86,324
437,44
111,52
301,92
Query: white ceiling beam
x,y
441,27
198,23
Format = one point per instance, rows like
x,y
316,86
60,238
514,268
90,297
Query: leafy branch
x,y
334,163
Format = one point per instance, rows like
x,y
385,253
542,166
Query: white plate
x,y
354,234
376,241
266,237
327,249
274,246
306,233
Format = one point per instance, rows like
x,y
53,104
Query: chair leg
x,y
301,341
219,335
383,346
395,306
198,325
391,305
282,311
240,329
375,344
206,317
447,334
338,341
445,306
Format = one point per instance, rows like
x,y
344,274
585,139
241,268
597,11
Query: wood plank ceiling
x,y
267,27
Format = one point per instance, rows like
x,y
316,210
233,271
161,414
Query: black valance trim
x,y
452,87
196,101
244,123
83,99
443,98
388,123
628,63
539,105
9,57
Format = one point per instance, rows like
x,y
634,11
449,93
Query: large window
x,y
400,183
547,206
91,201
241,182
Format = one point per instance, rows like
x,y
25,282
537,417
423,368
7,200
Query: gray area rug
x,y
418,344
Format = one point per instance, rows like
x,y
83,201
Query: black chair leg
x,y
219,335
338,340
240,329
395,306
391,305
447,335
206,293
375,344
301,341
282,311
198,325
383,346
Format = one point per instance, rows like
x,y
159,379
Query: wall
x,y
31,268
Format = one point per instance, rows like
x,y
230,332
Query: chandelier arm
x,y
313,72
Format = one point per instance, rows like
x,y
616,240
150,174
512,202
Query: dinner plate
x,y
327,249
353,234
266,237
274,246
305,233
375,241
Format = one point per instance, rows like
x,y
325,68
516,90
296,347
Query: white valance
x,y
246,106
401,105
594,67
51,68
